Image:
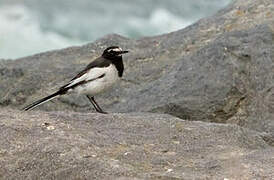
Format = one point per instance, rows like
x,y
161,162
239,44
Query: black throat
x,y
118,63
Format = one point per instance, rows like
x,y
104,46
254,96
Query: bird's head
x,y
113,51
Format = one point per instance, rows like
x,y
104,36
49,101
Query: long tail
x,y
41,101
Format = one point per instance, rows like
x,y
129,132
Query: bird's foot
x,y
102,112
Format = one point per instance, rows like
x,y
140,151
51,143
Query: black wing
x,y
99,62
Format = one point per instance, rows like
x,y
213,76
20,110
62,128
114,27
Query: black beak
x,y
124,52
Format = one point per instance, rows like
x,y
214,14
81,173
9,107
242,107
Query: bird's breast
x,y
111,75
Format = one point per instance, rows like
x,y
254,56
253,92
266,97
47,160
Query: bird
x,y
98,76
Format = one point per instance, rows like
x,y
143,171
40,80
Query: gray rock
x,y
71,145
219,69
227,80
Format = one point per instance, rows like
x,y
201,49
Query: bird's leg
x,y
96,106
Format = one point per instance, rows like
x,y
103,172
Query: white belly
x,y
101,84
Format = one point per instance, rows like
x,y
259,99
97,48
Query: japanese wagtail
x,y
98,76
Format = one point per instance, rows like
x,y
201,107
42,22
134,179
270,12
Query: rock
x,y
219,69
226,81
216,74
71,145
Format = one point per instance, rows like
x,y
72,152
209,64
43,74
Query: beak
x,y
123,52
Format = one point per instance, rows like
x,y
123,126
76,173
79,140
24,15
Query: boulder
x,y
73,145
219,69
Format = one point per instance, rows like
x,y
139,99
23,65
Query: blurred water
x,y
32,26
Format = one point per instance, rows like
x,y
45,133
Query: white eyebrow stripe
x,y
116,50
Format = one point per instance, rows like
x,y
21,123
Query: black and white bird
x,y
98,76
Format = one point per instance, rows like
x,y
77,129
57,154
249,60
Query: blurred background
x,y
32,26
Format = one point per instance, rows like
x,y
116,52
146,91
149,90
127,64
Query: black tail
x,y
41,101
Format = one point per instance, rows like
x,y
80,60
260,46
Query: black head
x,y
113,51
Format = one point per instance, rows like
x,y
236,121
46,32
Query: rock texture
x,y
61,145
218,70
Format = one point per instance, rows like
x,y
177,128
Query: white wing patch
x,y
93,73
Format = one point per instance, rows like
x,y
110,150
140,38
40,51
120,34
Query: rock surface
x,y
218,70
67,145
